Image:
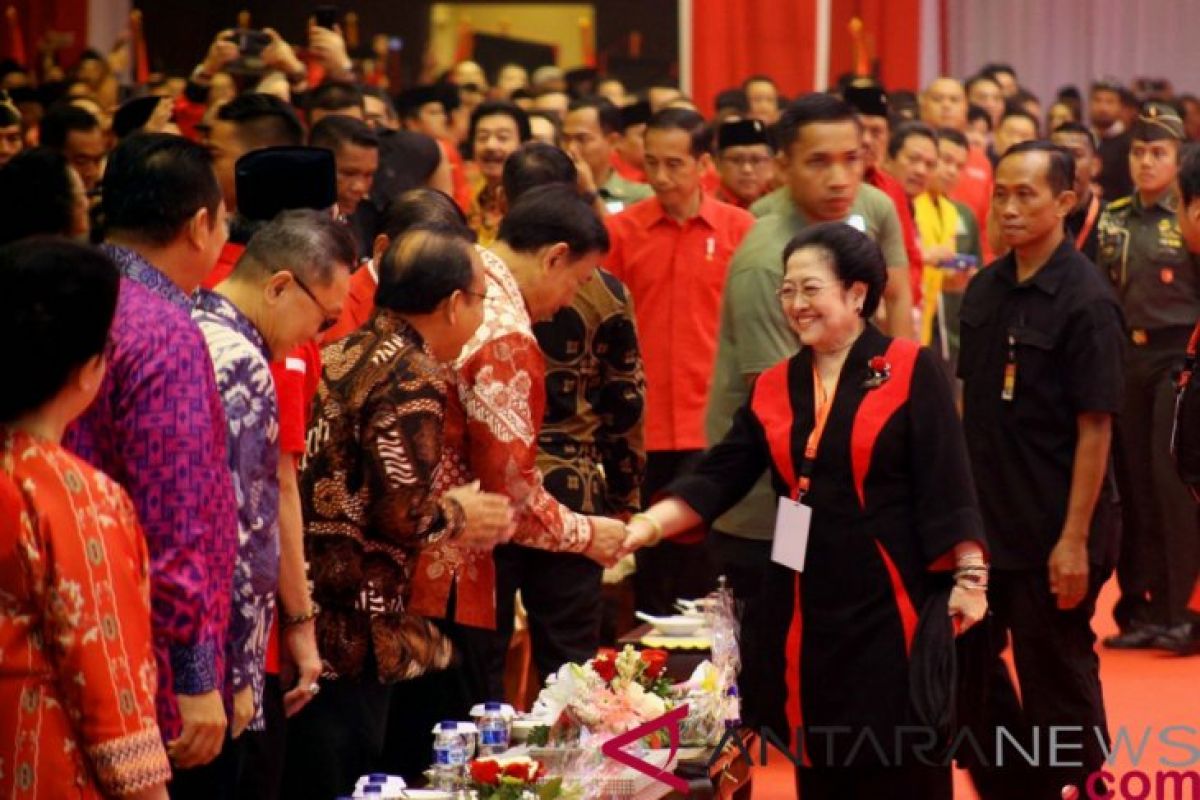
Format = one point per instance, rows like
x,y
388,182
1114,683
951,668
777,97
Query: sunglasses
x,y
330,319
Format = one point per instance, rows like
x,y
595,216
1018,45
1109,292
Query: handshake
x,y
612,539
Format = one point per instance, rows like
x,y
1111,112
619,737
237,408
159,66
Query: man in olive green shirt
x,y
821,163
590,129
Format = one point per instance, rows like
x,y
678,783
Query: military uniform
x,y
1157,282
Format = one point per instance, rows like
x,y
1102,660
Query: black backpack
x,y
1185,436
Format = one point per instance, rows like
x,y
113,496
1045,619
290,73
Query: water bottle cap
x,y
449,725
491,706
372,788
377,777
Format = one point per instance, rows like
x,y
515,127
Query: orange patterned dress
x,y
77,672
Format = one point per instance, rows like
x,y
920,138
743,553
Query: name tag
x,y
792,523
857,222
614,206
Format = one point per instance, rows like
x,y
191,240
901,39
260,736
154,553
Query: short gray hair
x,y
305,242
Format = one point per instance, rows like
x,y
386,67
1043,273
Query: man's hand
x,y
280,55
1069,569
203,730
489,517
638,534
608,535
329,48
967,607
586,181
301,664
243,710
220,52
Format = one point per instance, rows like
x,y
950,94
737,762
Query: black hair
x,y
855,258
734,99
337,130
35,195
59,299
760,78
547,215
263,120
686,120
953,136
992,70
974,79
1012,110
1060,174
60,120
492,108
421,269
421,207
975,112
379,94
1080,128
1189,173
906,131
607,114
810,109
536,164
301,240
334,96
154,183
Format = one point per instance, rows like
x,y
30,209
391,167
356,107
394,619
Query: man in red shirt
x,y
870,101
672,252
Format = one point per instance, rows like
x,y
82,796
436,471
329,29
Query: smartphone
x,y
326,16
250,43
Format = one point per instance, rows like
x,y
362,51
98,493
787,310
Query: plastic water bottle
x,y
493,730
449,757
733,707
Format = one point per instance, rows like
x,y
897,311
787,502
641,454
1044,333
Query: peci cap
x,y
742,132
867,98
277,179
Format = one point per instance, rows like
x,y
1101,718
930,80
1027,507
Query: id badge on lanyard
x,y
793,519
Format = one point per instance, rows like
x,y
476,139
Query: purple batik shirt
x,y
158,428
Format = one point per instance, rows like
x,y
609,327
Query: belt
x,y
1171,336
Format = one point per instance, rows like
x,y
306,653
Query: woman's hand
x,y
968,605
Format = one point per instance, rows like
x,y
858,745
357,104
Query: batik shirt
x,y
242,363
76,667
492,425
157,427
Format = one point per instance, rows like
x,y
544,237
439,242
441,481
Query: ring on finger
x,y
313,688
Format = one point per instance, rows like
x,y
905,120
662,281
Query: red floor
x,y
1143,691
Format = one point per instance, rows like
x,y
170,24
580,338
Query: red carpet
x,y
1145,694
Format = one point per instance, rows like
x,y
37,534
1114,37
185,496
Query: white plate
x,y
428,794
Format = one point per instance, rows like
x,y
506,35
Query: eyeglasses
x,y
788,293
329,319
742,162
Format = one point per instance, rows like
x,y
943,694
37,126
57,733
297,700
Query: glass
x,y
753,162
329,319
788,293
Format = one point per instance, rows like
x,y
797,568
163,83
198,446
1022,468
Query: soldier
x,y
1158,285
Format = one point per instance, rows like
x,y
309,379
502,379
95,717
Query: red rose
x,y
656,663
518,770
541,771
605,664
485,771
879,364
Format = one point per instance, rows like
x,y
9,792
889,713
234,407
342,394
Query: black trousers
x,y
261,774
670,569
764,621
338,737
1059,673
561,593
1160,545
216,780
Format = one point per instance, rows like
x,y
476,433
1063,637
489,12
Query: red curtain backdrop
x,y
39,16
733,39
893,29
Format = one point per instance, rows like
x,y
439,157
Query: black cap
x,y
742,132
411,100
1158,121
134,114
278,179
635,114
867,98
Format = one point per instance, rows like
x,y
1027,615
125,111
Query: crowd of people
x,y
311,378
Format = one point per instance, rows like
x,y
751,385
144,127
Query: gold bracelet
x,y
654,524
286,621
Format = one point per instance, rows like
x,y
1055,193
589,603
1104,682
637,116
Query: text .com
x,y
1142,785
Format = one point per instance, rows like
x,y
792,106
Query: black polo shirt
x,y
1067,338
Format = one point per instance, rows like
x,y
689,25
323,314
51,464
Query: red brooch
x,y
880,371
